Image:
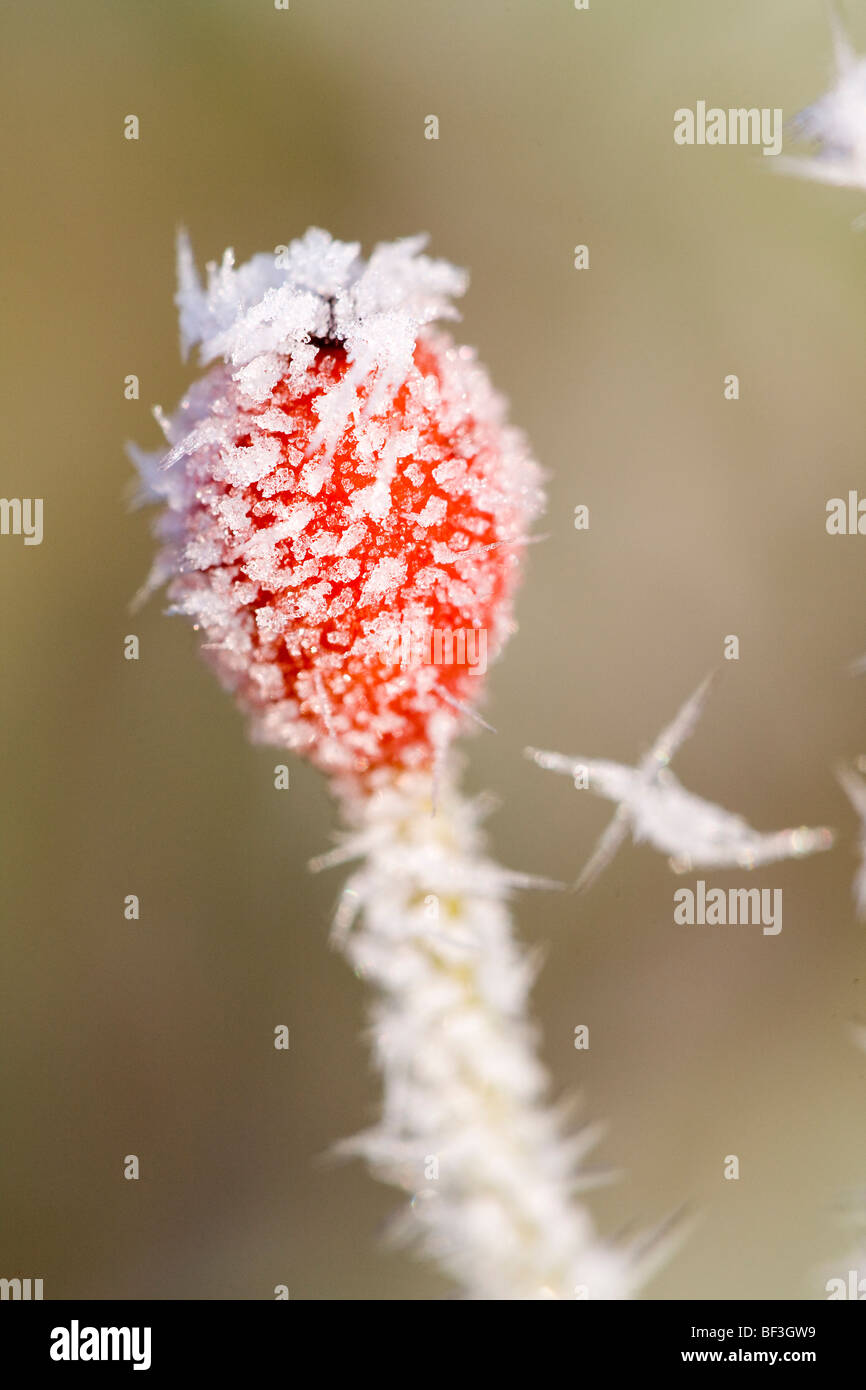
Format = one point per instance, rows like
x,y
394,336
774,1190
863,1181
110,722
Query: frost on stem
x,y
464,1126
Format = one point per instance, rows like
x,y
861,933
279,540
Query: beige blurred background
x,y
707,518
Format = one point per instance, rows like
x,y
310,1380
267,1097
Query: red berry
x,y
325,524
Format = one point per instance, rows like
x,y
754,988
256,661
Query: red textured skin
x,y
316,660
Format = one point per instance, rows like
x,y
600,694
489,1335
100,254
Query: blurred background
x,y
706,519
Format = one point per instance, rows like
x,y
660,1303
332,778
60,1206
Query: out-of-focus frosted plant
x,y
855,789
341,484
835,123
845,1277
657,809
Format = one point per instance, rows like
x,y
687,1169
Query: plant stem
x,y
464,1125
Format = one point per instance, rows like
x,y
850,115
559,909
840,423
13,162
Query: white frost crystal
x,y
275,306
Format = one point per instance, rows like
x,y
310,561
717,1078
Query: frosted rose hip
x,y
341,489
344,503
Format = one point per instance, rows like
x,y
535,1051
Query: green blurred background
x,y
707,518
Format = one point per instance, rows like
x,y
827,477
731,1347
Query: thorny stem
x,y
465,1126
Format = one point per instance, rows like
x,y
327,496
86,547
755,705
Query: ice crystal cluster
x,y
342,479
654,805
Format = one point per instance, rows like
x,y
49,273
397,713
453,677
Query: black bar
x,y
220,1338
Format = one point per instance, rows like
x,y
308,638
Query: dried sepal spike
x,y
340,488
658,810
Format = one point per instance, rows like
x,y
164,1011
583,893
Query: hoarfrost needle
x,y
339,487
